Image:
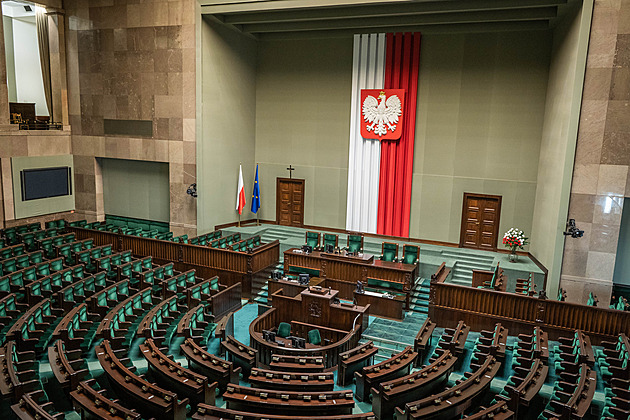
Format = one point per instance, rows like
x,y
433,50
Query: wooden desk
x,y
207,412
209,365
423,338
87,400
340,325
382,306
31,406
239,354
285,363
396,366
149,398
453,401
292,381
290,287
172,375
353,360
286,402
391,394
498,411
342,272
533,381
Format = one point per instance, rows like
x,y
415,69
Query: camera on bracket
x,y
192,190
573,230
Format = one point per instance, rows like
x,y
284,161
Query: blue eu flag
x,y
256,194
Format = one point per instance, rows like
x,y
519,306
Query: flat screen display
x,y
45,183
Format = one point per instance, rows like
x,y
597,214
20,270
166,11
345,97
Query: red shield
x,y
382,113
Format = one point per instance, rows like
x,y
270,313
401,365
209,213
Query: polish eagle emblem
x,y
381,115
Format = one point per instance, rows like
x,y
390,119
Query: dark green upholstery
x,y
389,251
411,253
314,337
355,243
284,330
312,239
330,239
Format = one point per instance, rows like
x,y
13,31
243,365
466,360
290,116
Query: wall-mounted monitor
x,y
40,183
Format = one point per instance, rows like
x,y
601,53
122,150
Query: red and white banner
x,y
384,96
382,113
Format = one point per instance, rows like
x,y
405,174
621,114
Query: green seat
x,y
284,330
43,269
312,239
331,239
314,337
22,261
355,243
56,265
36,257
411,254
389,251
28,239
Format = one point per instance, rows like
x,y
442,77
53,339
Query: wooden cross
x,y
290,169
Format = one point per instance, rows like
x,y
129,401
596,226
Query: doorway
x,y
290,202
480,221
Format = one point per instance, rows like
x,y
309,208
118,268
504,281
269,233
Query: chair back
x,y
331,239
314,337
411,253
355,243
284,330
313,238
389,251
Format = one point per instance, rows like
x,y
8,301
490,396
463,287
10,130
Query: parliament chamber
x,y
431,218
108,324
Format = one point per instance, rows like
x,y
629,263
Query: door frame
x,y
295,181
462,226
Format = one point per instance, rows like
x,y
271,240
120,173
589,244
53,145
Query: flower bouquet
x,y
514,239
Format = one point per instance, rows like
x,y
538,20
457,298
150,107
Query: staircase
x,y
260,288
392,337
282,234
462,269
419,299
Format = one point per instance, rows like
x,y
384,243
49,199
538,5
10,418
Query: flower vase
x,y
513,257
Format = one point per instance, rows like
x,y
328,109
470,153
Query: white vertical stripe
x,y
368,72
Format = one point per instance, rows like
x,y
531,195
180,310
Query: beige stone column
x,y
57,50
602,157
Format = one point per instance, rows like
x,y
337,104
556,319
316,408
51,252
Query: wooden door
x,y
480,221
290,202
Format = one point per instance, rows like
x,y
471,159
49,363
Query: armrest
x,y
27,375
620,383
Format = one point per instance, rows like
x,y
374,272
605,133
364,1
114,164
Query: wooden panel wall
x,y
231,266
482,308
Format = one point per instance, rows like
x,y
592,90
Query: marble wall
x,y
600,177
134,61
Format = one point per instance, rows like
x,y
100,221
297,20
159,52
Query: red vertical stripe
x,y
401,72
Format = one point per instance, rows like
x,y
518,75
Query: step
x,y
462,255
465,265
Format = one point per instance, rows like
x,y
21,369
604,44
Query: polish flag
x,y
240,192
